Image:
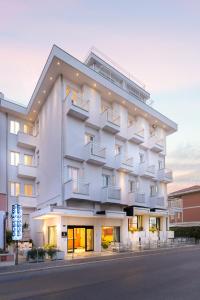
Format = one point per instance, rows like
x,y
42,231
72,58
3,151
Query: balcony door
x,y
74,176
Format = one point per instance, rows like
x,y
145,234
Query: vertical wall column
x,y
124,236
97,238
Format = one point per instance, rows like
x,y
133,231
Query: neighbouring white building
x,y
86,158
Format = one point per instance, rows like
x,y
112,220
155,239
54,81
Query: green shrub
x,y
105,244
9,240
32,254
186,232
41,253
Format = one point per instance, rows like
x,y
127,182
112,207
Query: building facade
x,y
86,158
184,207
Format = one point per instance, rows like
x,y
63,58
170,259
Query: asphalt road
x,y
173,274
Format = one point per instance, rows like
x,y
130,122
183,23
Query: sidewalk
x,y
84,259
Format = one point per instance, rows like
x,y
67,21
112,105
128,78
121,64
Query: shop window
x,y
154,224
111,234
135,223
52,236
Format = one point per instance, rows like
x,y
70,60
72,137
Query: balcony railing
x,y
147,171
77,189
77,107
27,171
136,198
175,205
136,134
27,201
25,140
156,143
95,153
165,175
157,202
110,121
124,164
111,194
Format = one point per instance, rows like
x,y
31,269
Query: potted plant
x,y
32,255
41,254
140,228
105,244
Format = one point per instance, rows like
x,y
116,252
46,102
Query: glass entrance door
x,y
80,239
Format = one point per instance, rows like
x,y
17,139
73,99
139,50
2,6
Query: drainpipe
x,y
62,138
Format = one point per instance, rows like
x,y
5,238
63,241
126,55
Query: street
x,y
167,274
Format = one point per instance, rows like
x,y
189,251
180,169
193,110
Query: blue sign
x,y
16,222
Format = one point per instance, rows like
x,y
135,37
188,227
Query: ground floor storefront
x,y
76,231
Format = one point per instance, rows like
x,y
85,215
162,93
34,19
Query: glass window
x,y
153,190
107,180
141,157
14,189
14,158
135,223
27,129
111,234
28,190
28,160
89,138
117,149
52,236
14,127
132,186
154,223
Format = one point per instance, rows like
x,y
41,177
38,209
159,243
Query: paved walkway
x,y
80,258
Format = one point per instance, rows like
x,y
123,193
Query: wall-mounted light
x,y
58,63
77,74
50,78
44,91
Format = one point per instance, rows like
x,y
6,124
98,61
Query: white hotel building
x,y
86,157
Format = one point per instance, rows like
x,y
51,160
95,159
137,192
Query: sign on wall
x,y
16,222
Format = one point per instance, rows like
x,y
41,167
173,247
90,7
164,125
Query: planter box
x,y
7,260
60,255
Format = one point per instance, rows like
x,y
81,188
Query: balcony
x,y
123,165
27,141
135,134
157,202
77,189
147,171
137,199
25,171
110,121
111,194
27,201
165,175
156,144
175,205
78,108
95,154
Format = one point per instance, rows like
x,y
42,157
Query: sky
x,y
157,41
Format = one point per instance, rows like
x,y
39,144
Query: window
x,y
132,186
73,174
89,138
154,223
67,91
52,236
153,190
160,164
135,223
74,96
107,180
141,157
117,149
27,129
14,127
14,158
14,189
111,234
28,160
28,190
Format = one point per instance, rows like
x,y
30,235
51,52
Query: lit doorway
x,y
80,239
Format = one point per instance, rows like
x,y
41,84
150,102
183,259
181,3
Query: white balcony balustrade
x,y
156,144
136,134
111,194
147,171
77,189
165,175
137,199
27,141
124,164
27,171
110,121
157,202
95,153
27,201
175,205
77,107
